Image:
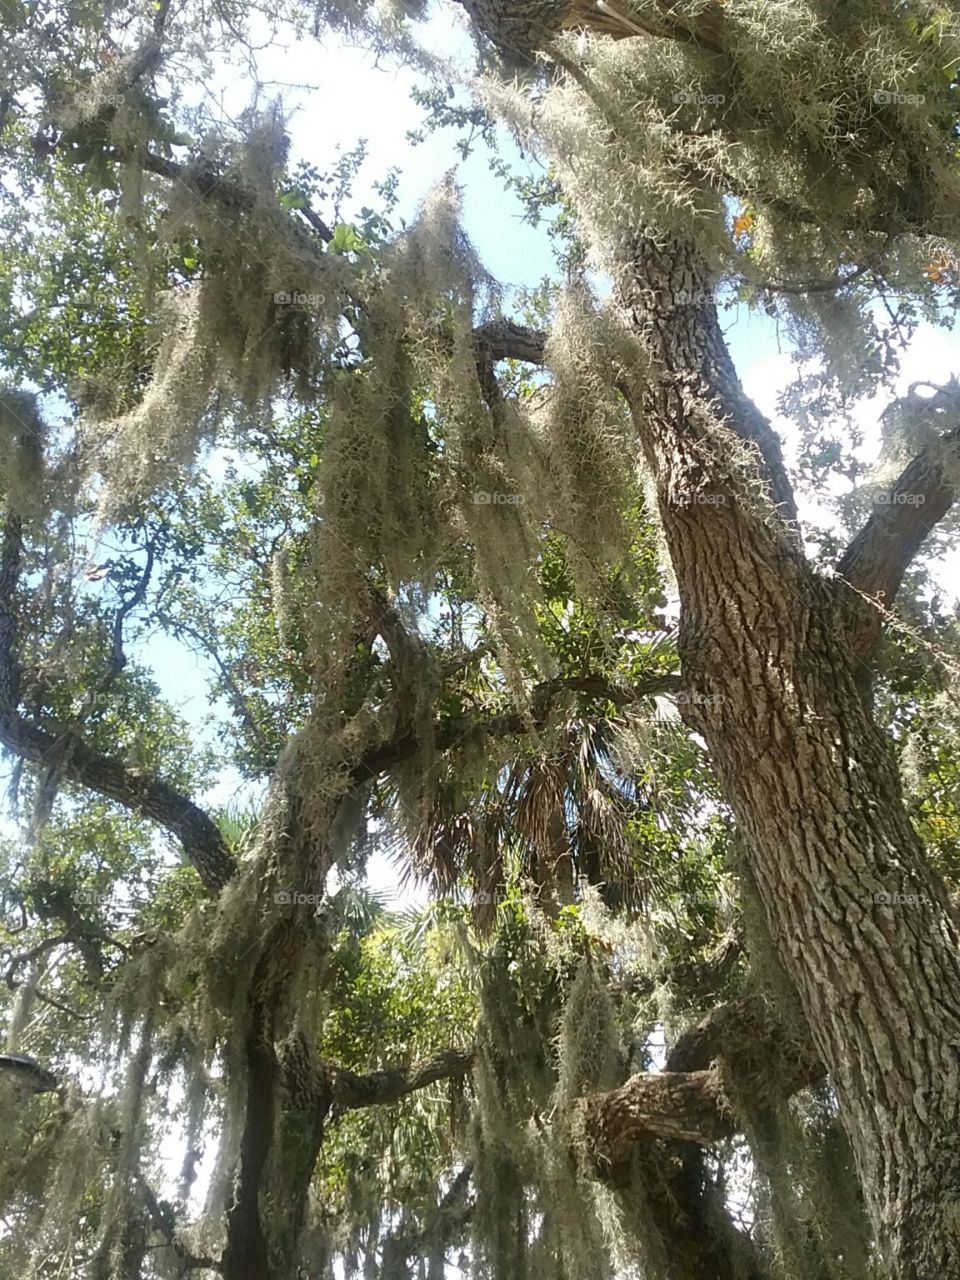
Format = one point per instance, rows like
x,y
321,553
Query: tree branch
x,y
763,1062
765,1058
18,961
164,1222
451,1215
833,285
380,1088
878,557
743,1031
683,1106
450,730
702,34
118,659
504,340
615,18
209,183
203,844
150,797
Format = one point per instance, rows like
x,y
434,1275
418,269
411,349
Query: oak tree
x,y
431,574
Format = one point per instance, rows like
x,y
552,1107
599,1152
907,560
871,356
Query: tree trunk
x,y
861,923
287,1091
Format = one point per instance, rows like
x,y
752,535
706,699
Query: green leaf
x,y
345,239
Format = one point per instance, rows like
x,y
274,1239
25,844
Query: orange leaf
x,y
938,269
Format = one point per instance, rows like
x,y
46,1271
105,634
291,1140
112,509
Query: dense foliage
x,y
422,559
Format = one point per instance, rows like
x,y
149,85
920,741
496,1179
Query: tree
x,y
459,524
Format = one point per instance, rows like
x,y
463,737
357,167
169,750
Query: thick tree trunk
x,y
246,1256
862,925
287,1102
288,1093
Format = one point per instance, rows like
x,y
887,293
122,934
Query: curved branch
x,y
150,797
878,557
761,1057
504,340
24,957
203,844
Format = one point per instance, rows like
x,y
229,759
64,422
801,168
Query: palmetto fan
x,y
523,26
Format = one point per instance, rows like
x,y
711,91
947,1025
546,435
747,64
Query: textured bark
x,y
882,551
524,26
379,1088
681,1105
291,1096
743,1042
756,1043
287,1092
246,1255
286,1106
810,777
